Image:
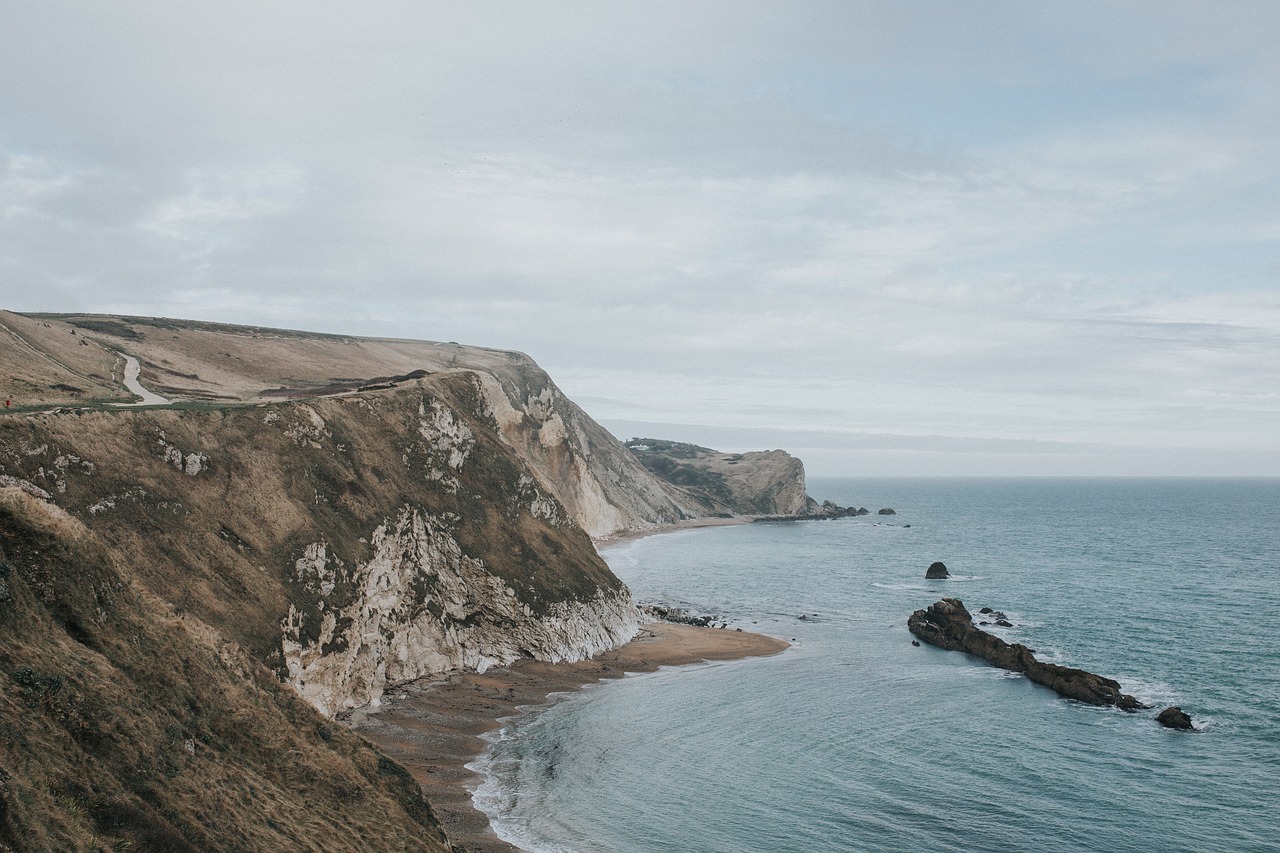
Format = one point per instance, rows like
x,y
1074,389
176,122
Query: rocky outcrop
x,y
423,606
765,483
948,625
937,571
1174,717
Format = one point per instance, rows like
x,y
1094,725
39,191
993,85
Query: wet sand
x,y
433,727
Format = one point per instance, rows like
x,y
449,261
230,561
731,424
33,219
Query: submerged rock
x,y
937,571
948,625
1174,717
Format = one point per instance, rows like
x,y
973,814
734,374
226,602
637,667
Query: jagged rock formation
x,y
937,571
767,483
1174,717
948,625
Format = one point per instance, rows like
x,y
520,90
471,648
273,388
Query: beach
x,y
434,726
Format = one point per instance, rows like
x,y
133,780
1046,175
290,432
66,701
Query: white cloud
x,y
982,221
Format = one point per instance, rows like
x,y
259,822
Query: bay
x,y
854,739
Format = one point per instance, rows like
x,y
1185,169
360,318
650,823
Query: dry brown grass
x,y
123,728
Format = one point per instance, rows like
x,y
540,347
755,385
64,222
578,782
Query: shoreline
x,y
434,727
626,536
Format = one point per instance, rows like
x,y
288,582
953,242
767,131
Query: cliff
x,y
329,513
127,723
764,483
78,360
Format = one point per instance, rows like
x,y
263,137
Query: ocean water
x,y
853,739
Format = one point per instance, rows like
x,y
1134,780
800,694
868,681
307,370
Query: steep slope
x,y
126,724
346,541
603,488
769,483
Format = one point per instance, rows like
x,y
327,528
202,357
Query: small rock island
x,y
948,625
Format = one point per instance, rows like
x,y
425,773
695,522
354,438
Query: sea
x,y
854,739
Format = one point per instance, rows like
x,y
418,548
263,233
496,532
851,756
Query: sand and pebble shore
x,y
434,727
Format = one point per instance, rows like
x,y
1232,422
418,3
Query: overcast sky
x,y
894,238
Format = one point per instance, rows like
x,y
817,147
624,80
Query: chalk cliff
x,y
332,513
78,360
768,483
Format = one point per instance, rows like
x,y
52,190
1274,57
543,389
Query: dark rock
x,y
947,625
915,643
862,510
985,610
888,511
937,571
1173,717
1004,623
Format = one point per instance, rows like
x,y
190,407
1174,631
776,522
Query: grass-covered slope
x,y
125,724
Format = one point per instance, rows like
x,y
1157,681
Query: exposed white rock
x,y
420,606
601,485
449,438
190,464
26,486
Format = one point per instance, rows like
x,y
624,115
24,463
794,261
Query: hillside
x,y
125,723
190,593
77,360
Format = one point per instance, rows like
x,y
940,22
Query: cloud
x,y
970,220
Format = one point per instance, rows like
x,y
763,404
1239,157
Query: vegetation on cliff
x,y
189,593
127,723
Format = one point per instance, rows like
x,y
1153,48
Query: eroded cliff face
x,y
762,483
58,359
129,723
420,605
347,542
603,487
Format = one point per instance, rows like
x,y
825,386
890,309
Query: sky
x,y
935,238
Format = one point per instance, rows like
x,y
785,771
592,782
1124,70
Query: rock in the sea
x,y
937,571
887,511
1174,717
948,625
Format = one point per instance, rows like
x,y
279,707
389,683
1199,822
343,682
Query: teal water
x,y
853,739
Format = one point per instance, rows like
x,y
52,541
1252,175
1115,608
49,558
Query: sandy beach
x,y
433,727
690,524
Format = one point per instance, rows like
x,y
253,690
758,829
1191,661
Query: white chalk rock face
x,y
601,485
421,606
